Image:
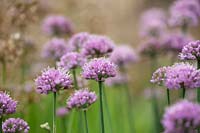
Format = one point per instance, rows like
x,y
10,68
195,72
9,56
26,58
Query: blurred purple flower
x,y
191,51
8,105
97,46
61,112
119,79
76,41
159,76
99,69
123,55
52,80
153,23
71,60
15,125
184,13
55,48
57,25
182,117
81,99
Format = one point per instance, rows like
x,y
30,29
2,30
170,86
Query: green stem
x,y
168,97
86,122
54,112
183,92
101,106
198,89
75,79
1,120
64,125
3,72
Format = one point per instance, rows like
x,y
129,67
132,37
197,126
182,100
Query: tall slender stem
x,y
86,122
183,93
101,106
75,79
168,97
3,72
54,112
198,89
1,120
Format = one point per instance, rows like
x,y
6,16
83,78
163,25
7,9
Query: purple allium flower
x,y
76,41
15,125
191,51
123,55
184,12
153,23
151,47
61,112
97,46
81,99
119,79
182,117
52,80
175,42
180,75
7,104
57,25
99,69
71,60
55,48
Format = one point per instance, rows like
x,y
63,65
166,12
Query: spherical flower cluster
x,y
99,69
55,48
97,46
123,55
175,42
57,25
151,47
81,99
7,104
119,79
71,60
191,51
153,23
15,125
182,117
52,80
184,12
180,75
61,112
76,41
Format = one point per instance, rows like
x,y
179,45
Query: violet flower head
x,y
7,104
182,75
55,48
15,125
52,80
62,112
153,23
119,79
123,55
71,60
81,99
159,76
184,13
175,42
97,46
191,51
57,25
76,41
99,69
180,117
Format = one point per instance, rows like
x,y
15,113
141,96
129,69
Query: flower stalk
x,y
86,121
54,112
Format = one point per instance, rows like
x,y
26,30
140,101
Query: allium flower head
x,y
180,117
184,12
81,99
71,60
76,41
57,25
15,125
52,80
55,48
159,76
153,23
175,42
99,69
7,104
61,112
119,79
191,51
123,55
97,46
